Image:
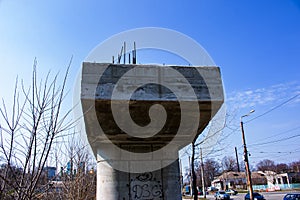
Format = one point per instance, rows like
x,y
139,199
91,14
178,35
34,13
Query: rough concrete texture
x,y
163,184
105,87
97,97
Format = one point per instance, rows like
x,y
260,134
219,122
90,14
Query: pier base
x,y
163,184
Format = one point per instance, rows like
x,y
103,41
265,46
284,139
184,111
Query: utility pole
x,y
237,159
190,175
181,177
202,175
246,160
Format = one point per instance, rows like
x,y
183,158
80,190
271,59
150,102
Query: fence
x,y
277,187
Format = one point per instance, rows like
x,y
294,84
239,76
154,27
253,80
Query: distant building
x,y
267,180
283,180
73,168
237,180
51,172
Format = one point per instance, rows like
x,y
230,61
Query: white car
x,y
231,192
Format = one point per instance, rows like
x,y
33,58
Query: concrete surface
x,y
144,164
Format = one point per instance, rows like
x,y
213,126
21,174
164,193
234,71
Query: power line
x,y
268,111
277,152
274,108
281,133
277,155
278,147
236,129
274,141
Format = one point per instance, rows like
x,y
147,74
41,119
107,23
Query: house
x,y
267,180
287,180
237,180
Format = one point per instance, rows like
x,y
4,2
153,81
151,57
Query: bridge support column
x,y
163,184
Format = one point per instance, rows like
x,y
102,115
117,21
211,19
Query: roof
x,y
239,175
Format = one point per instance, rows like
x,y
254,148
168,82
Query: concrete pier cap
x,y
137,117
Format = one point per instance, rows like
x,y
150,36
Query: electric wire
x,y
274,108
275,141
281,133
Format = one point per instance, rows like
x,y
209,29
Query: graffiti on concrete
x,y
145,187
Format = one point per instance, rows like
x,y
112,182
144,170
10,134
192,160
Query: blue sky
x,y
256,44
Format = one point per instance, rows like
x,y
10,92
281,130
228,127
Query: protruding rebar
x,y
134,54
124,52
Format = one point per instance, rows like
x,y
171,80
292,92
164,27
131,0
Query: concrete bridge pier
x,y
137,118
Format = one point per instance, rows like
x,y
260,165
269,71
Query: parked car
x,y
292,196
201,193
212,189
231,192
222,195
256,196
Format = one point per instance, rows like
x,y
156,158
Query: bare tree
x,y
194,176
282,168
266,165
76,178
28,132
206,142
295,166
211,170
79,180
229,164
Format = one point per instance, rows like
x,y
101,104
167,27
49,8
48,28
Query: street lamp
x,y
246,160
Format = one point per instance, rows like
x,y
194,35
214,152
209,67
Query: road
x,y
267,195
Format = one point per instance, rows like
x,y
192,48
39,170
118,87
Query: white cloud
x,y
265,96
